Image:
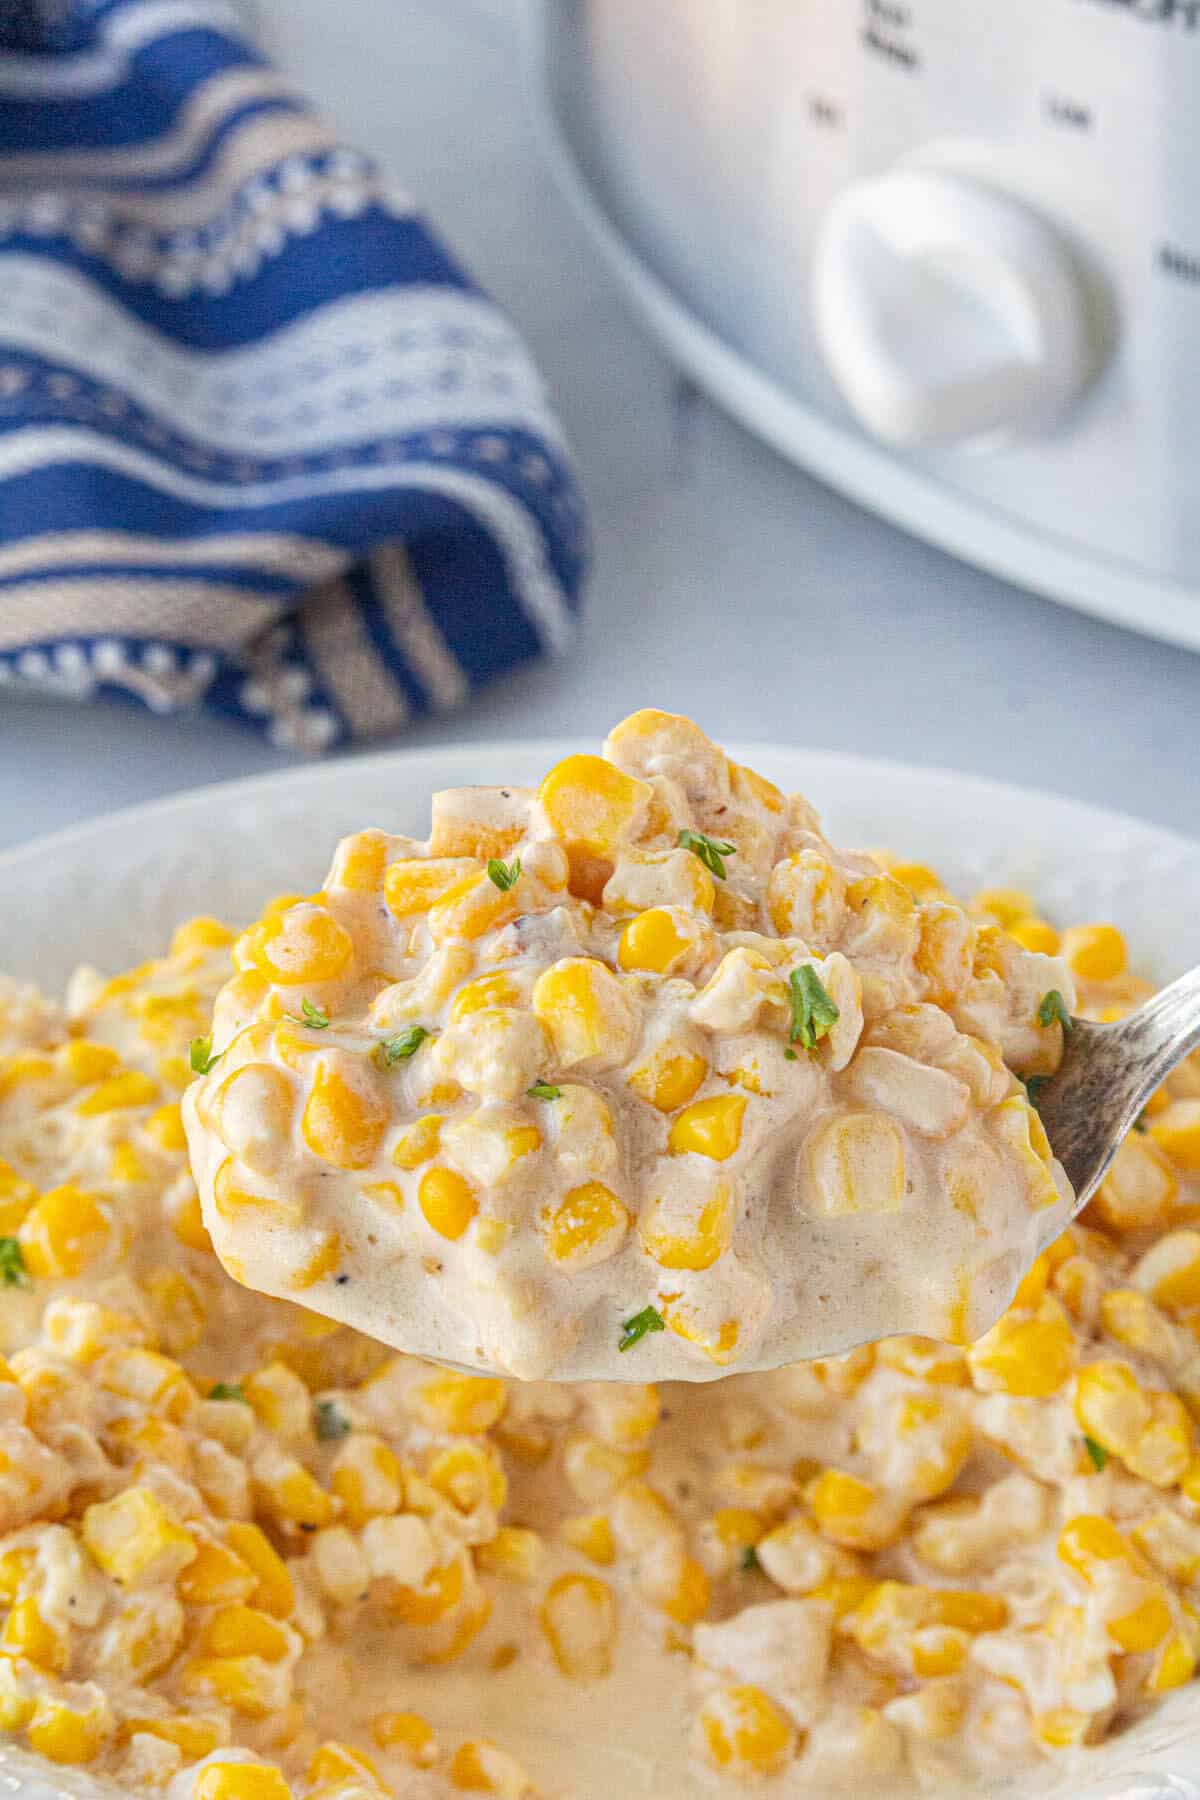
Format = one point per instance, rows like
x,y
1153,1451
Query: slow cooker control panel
x,y
947,311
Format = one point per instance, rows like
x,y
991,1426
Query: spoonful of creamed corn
x,y
635,1076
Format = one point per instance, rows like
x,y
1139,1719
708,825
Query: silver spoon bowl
x,y
1107,1074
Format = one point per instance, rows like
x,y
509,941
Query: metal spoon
x,y
1107,1074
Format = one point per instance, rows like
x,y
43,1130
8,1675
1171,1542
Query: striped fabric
x,y
264,448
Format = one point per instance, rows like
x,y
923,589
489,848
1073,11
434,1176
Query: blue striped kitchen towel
x,y
264,447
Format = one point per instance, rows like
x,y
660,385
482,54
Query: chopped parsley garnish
x,y
13,1272
1033,1085
312,1016
640,1326
328,1422
202,1056
792,1055
227,1390
1053,1010
543,1090
504,875
748,1561
711,851
1142,1123
402,1046
813,1009
1097,1452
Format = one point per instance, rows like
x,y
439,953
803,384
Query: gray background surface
x,y
727,583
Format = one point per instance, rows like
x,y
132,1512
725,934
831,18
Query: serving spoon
x,y
1107,1074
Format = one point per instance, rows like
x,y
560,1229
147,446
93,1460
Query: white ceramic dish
x,y
110,892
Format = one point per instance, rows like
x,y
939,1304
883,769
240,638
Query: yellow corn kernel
x,y
480,1767
358,862
179,1311
669,1077
240,1781
325,1258
292,1495
156,1382
1061,1728
719,1345
584,1010
367,1478
1090,1539
14,1567
658,941
588,1225
342,1124
245,1683
579,1618
447,1200
418,1142
412,887
275,1592
590,805
66,1733
486,990
191,1733
1024,1356
333,1762
131,1088
966,1609
1110,1405
1094,952
1176,1130
87,1062
677,1242
216,1576
187,1221
231,1199
16,1197
125,1166
681,1589
711,1128
856,1164
29,1634
1140,1187
745,1732
1035,934
844,1593
1145,1626
515,1554
66,1231
1133,1320
243,1631
852,1512
938,1650
463,1405
925,1360
203,933
1170,1271
135,1540
279,1399
407,1735
469,1476
1004,905
303,946
438,1595
592,1535
1174,1665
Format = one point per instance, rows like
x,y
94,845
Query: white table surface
x,y
727,584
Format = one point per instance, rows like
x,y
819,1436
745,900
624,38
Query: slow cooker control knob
x,y
947,311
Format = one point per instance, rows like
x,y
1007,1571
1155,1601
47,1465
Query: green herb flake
x,y
640,1326
792,1055
13,1272
202,1056
813,1010
1053,1010
711,851
227,1390
312,1016
328,1423
401,1047
748,1561
1142,1124
1097,1452
1033,1085
543,1090
504,875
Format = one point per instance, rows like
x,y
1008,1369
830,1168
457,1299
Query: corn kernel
x,y
303,946
29,1634
585,1012
244,1631
240,1781
245,1683
658,941
691,1236
418,1142
590,805
1035,934
192,1734
464,1405
333,1762
745,1732
588,1225
1176,1131
275,1592
66,1733
1094,952
1174,1666
1024,1356
480,1767
135,1540
578,1617
1145,1626
367,1478
592,1535
216,1576
1140,1187
711,1128
343,1124
856,1164
437,1595
447,1200
131,1088
515,1554
155,1382
65,1232
853,1512
408,1735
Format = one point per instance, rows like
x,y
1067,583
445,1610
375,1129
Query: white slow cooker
x,y
944,253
